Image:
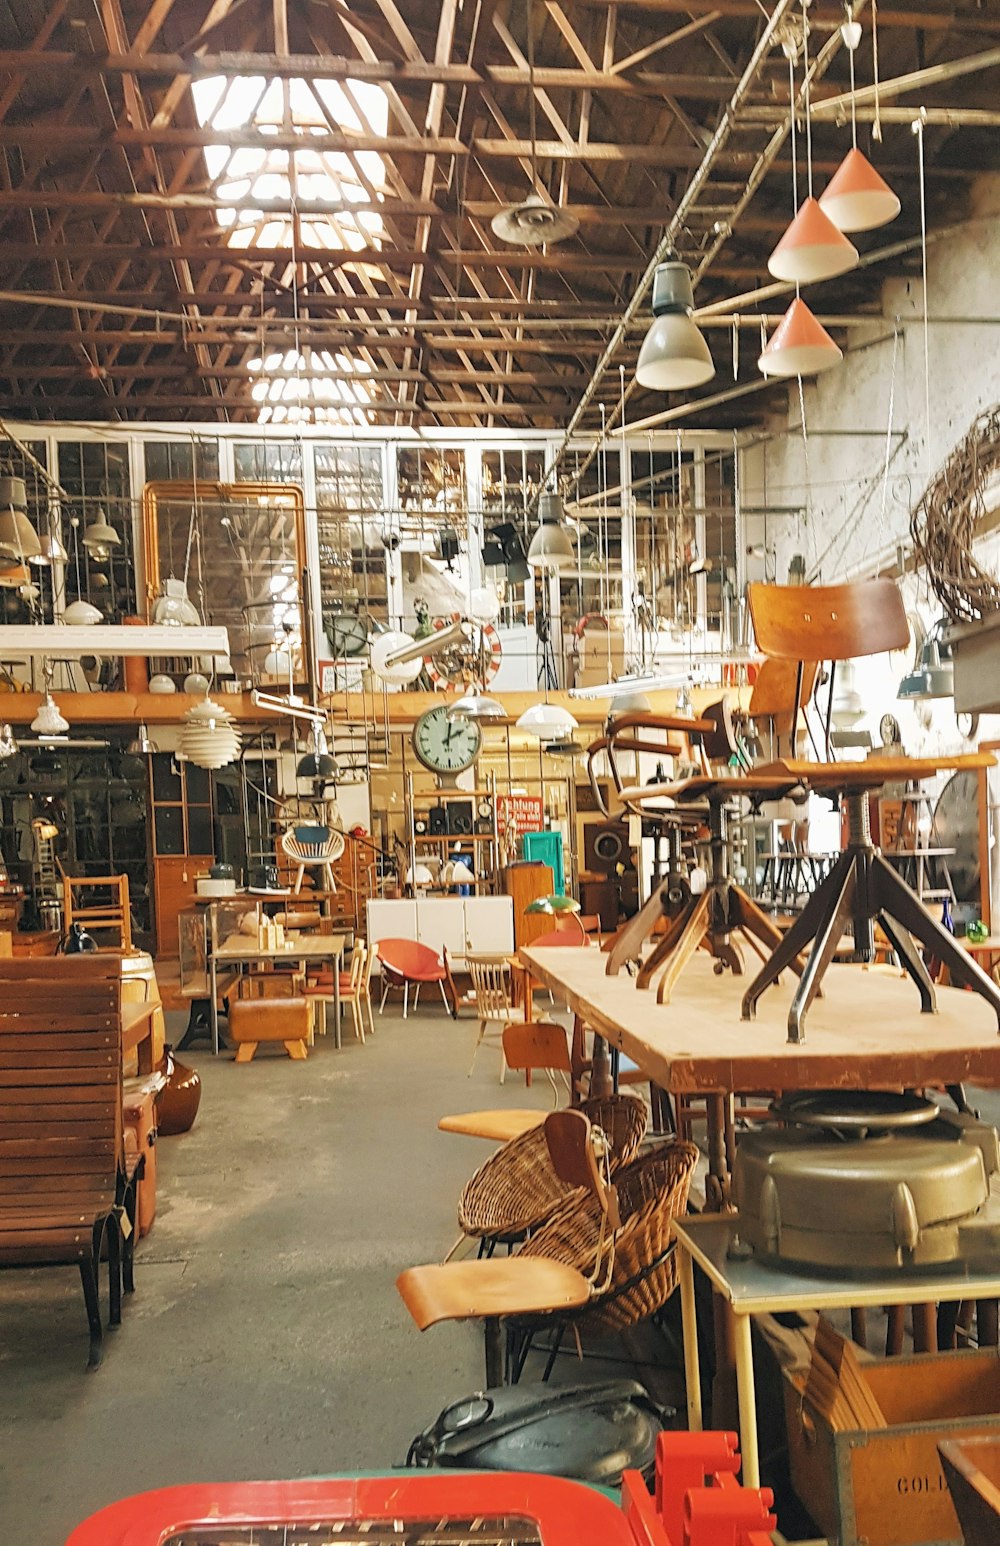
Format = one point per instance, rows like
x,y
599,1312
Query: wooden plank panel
x,y
66,1042
85,1055
42,1020
79,1077
77,1181
55,1163
71,1095
105,966
43,1118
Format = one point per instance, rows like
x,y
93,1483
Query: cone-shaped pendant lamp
x,y
857,197
812,248
799,345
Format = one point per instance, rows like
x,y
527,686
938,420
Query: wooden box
x,y
975,651
886,1487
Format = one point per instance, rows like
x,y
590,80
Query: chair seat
x,y
499,1126
474,1290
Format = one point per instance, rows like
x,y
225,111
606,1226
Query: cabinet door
x,y
489,924
391,920
441,922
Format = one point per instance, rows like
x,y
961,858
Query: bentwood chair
x,y
500,1287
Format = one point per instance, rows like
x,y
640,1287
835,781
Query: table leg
x,y
748,1401
213,1003
601,1083
338,962
689,1323
494,1352
715,1114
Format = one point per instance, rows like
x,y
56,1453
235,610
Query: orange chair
x,y
541,1045
405,962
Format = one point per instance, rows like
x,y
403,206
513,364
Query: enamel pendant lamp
x,y
812,248
547,721
82,614
208,738
100,536
674,356
857,198
48,720
477,705
17,535
550,547
799,345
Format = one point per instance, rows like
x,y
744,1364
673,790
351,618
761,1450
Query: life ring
x,y
488,654
590,620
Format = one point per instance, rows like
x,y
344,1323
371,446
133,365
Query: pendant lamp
x,y
8,745
17,535
173,608
674,355
81,614
857,198
14,576
317,763
551,548
547,721
48,720
100,536
799,345
477,705
142,746
812,248
208,738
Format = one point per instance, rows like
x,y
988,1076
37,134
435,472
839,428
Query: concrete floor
x,y
266,1338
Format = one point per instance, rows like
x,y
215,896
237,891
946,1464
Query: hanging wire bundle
x,y
945,521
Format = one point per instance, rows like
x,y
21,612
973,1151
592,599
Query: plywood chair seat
x,y
497,1126
480,1290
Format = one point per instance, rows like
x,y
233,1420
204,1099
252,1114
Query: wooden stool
x,y
269,1019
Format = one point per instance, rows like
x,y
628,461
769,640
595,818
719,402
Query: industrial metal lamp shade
x,y
799,345
550,547
51,551
554,904
174,608
477,705
674,356
317,763
17,535
142,746
548,721
812,248
81,614
99,536
935,675
857,198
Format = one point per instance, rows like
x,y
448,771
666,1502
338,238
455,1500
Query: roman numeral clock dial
x,y
446,746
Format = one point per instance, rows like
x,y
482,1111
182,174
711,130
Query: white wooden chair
x,y
491,983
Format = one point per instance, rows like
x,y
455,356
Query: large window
x,y
352,556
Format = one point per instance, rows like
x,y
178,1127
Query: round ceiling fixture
x,y
533,223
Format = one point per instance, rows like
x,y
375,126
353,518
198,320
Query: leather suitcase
x,y
139,1112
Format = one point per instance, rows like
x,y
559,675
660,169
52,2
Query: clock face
x,y
446,745
889,730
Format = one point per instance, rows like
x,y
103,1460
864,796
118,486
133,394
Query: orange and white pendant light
x,y
857,197
812,248
799,345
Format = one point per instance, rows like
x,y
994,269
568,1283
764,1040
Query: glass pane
x,y
351,520
200,832
267,461
166,779
178,460
95,475
169,829
199,785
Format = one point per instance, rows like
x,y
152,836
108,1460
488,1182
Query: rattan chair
x,y
517,1189
652,1192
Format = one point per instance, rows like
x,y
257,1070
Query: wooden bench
x,y
66,1195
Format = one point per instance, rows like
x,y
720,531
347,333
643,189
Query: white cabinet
x,y
460,924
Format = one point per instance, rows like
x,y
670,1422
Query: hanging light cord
x,y
794,134
918,129
532,121
807,102
888,442
854,108
877,124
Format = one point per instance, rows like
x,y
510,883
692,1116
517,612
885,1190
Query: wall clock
x,y
446,746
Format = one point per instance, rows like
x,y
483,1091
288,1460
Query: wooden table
x,y
751,1287
241,950
137,1031
866,1032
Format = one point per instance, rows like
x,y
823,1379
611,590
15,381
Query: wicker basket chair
x,y
652,1192
517,1188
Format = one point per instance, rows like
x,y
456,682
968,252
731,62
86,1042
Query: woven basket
x,y
652,1192
517,1188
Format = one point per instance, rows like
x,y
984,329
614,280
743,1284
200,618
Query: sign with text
x,y
517,814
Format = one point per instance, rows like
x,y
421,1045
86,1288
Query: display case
x,y
201,930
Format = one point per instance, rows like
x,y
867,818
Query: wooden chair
x,y
541,1045
313,848
490,1290
320,992
772,706
107,906
494,1008
843,622
64,1186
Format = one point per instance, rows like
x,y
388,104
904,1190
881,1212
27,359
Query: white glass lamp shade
x,y
418,875
208,737
461,875
551,548
857,198
173,607
477,705
48,720
17,535
196,684
278,662
484,604
100,536
631,700
674,356
548,721
81,614
162,684
812,248
400,672
8,745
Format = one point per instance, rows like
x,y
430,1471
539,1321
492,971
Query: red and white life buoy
x,y
484,653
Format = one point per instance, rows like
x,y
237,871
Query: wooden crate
x,y
886,1487
976,653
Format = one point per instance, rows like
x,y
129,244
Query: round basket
x,y
517,1188
652,1192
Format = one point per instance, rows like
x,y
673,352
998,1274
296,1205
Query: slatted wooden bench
x,y
64,1187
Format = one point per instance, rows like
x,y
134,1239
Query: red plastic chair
x,y
406,961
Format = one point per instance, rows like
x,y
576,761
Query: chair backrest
x,y
539,1044
60,1076
773,695
359,958
560,937
491,985
828,622
369,964
407,957
573,1150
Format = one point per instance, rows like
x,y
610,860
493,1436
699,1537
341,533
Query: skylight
x,y
294,386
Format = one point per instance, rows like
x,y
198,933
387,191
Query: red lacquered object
x,y
697,1502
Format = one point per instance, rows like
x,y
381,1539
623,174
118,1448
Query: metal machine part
x,y
869,1182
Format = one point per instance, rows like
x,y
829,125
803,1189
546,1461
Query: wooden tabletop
x,y
866,1031
315,946
772,780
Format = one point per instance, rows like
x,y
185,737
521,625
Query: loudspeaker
x,y
460,817
605,847
437,819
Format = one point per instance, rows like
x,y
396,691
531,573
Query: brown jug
x,y
177,1103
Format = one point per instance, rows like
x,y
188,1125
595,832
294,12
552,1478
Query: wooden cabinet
x,y
476,925
174,890
524,883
